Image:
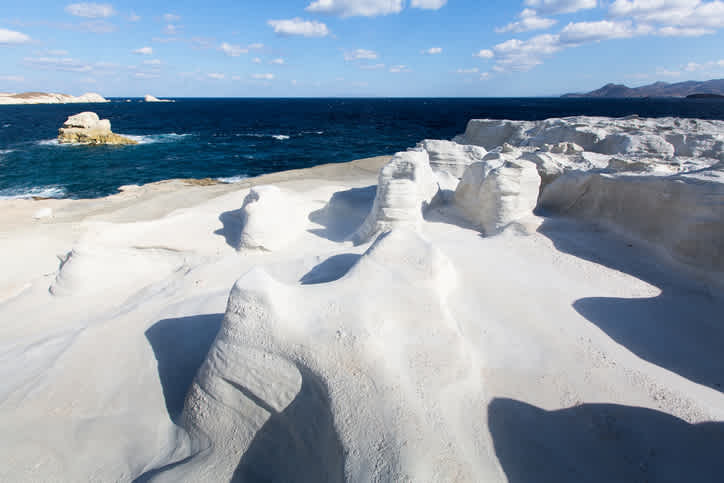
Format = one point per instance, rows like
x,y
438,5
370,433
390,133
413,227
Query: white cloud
x,y
232,50
713,64
278,61
467,71
215,76
12,78
263,76
171,29
144,51
428,4
581,32
57,53
560,6
399,68
8,37
484,54
146,75
371,66
355,8
683,31
65,64
485,76
432,51
90,10
694,14
667,73
521,55
256,46
360,54
529,20
298,26
256,60
171,17
152,62
133,17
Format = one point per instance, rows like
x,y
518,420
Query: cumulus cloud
x,y
692,16
399,68
432,51
90,10
144,51
529,20
64,64
372,66
215,76
683,31
523,55
232,50
713,64
467,71
298,26
256,46
278,61
560,6
484,54
171,29
428,4
581,32
360,54
9,37
358,8
263,76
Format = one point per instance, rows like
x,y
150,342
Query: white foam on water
x,y
280,137
156,138
232,179
52,191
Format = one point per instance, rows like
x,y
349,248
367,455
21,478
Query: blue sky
x,y
356,47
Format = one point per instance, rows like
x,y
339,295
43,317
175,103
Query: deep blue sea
x,y
233,138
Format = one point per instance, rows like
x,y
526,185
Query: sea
x,y
231,139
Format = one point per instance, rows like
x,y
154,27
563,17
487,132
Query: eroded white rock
x,y
406,186
270,217
451,157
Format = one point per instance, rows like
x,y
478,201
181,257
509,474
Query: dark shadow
x,y
180,346
681,330
344,213
299,444
232,225
333,268
603,443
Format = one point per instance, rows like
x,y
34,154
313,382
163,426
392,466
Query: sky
x,y
356,48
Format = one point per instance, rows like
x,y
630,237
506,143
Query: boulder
x,y
271,219
493,197
88,128
150,98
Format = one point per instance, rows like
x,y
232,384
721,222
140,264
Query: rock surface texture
x,y
150,98
87,128
46,98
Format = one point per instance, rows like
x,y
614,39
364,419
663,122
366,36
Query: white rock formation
x,y
150,98
270,219
45,98
494,196
406,186
451,157
88,128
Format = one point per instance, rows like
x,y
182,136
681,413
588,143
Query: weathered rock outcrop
x,y
270,219
88,128
49,98
406,187
150,98
451,157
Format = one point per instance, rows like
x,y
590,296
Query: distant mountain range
x,y
658,89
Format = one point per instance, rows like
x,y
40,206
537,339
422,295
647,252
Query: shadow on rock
x,y
603,443
333,268
299,444
344,213
232,226
180,346
680,330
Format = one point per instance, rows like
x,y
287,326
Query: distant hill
x,y
658,89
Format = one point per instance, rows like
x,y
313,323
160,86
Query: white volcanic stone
x,y
311,390
451,157
150,98
406,186
45,98
270,219
87,128
493,197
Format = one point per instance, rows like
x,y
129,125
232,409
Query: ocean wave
x,y
7,125
232,179
278,137
52,191
156,138
6,151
